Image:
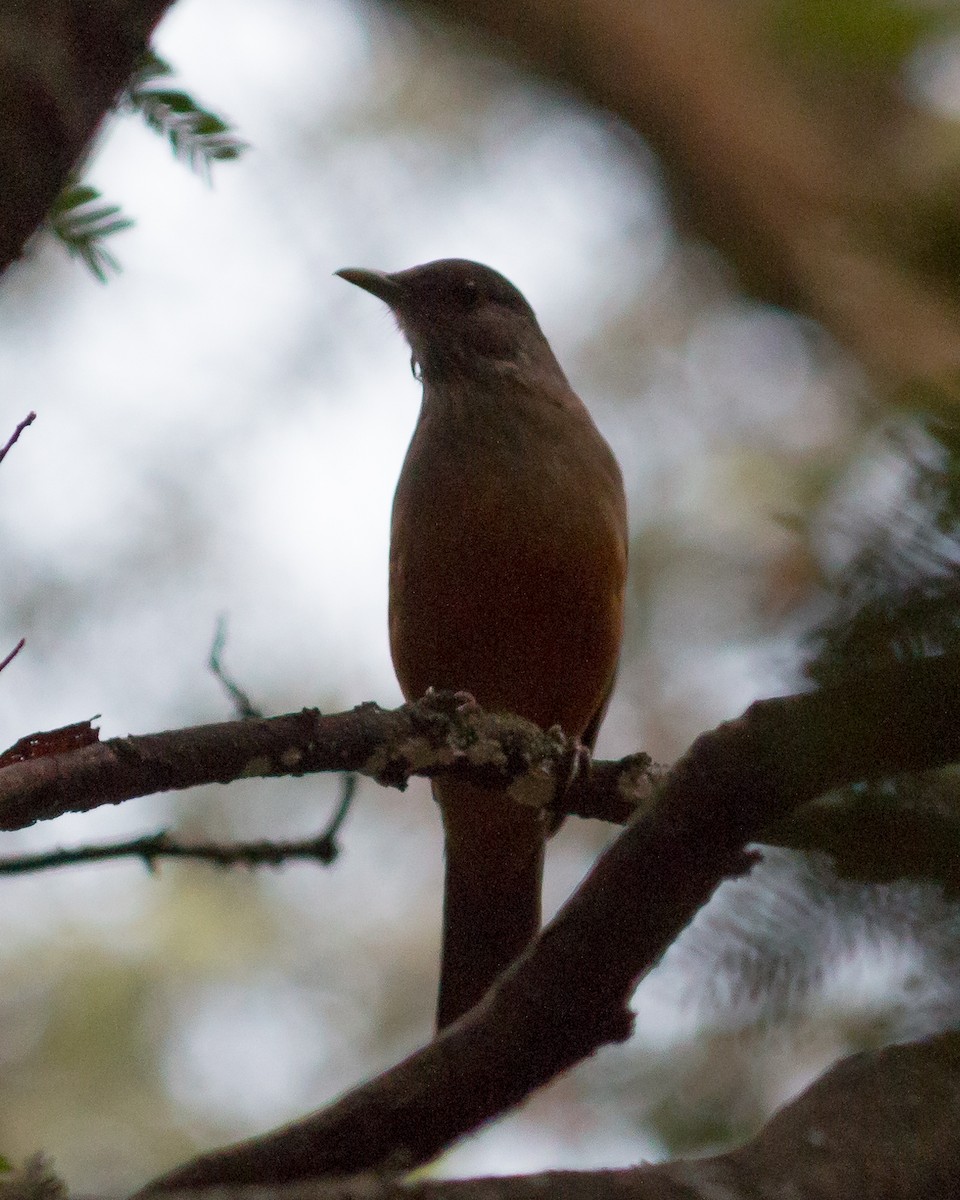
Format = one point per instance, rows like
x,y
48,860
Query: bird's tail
x,y
492,884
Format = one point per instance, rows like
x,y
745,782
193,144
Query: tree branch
x,y
153,847
443,732
881,1124
15,436
894,719
568,994
806,213
62,66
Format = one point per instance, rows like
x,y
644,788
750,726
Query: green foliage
x,y
896,597
82,221
882,831
871,35
150,67
197,136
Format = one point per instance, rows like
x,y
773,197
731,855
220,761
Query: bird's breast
x,y
507,567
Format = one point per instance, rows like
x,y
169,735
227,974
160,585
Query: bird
x,y
507,574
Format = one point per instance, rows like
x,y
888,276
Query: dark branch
x,y
438,734
13,654
568,995
904,717
62,66
13,438
156,846
322,849
881,1124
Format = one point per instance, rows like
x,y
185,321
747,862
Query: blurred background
x,y
219,431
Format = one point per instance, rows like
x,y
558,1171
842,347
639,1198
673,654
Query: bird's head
x,y
461,318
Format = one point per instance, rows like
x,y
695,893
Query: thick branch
x,y
881,1124
568,994
62,65
442,733
900,718
761,172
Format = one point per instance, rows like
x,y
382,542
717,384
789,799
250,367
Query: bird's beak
x,y
378,283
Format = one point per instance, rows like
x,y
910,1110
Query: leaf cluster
x,y
82,220
897,595
197,136
896,598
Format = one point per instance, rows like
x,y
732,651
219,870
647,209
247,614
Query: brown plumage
x,y
507,570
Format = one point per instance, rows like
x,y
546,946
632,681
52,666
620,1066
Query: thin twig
x,y
348,789
247,711
322,848
13,653
244,706
155,846
27,420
